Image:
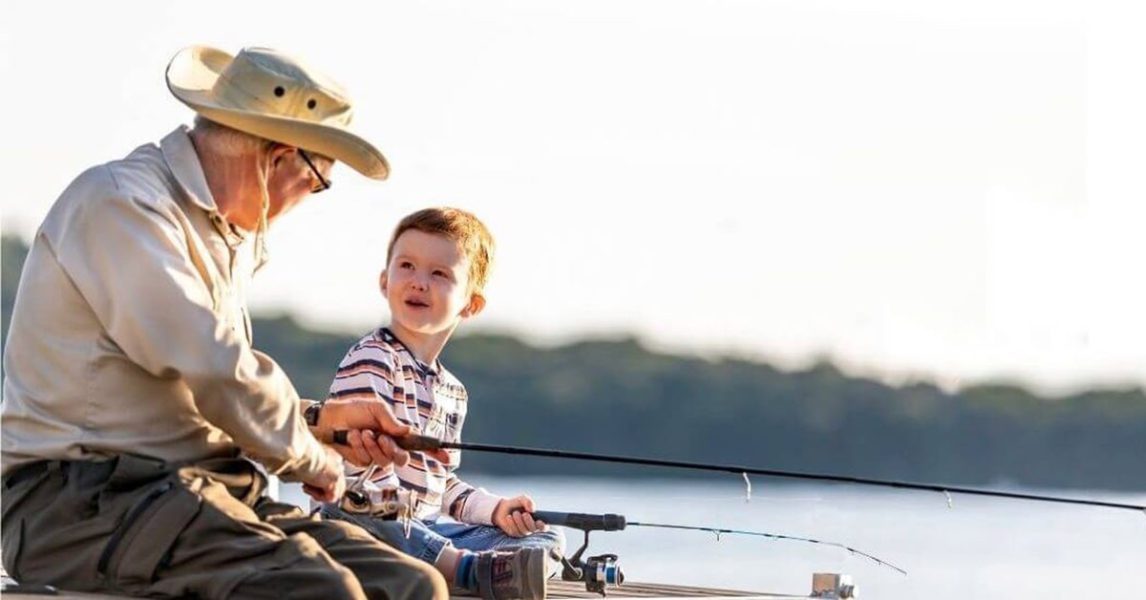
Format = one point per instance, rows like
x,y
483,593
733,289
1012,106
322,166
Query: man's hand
x,y
513,516
329,484
371,432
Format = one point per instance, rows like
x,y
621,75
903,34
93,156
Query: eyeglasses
x,y
323,183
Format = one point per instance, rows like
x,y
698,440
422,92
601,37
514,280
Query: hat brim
x,y
191,76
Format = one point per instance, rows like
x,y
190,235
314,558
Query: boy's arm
x,y
467,503
470,504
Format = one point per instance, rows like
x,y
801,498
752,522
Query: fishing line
x,y
613,522
776,536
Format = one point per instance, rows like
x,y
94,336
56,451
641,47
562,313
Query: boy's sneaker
x,y
512,575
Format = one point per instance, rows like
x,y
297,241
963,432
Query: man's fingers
x,y
383,450
395,452
439,455
387,423
357,444
370,443
319,494
527,504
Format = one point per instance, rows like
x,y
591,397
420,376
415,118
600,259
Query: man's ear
x,y
477,303
384,283
278,152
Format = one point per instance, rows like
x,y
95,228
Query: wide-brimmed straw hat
x,y
272,95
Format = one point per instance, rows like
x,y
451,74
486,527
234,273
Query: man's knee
x,y
315,579
334,581
383,571
429,583
411,579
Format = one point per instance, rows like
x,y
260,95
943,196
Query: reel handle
x,y
582,521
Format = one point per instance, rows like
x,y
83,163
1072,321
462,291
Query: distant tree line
x,y
618,397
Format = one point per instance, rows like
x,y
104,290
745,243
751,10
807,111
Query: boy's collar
x,y
427,370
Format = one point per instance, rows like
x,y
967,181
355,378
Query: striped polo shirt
x,y
429,399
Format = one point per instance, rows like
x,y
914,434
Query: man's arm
x,y
130,260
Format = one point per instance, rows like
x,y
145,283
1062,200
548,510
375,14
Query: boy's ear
x,y
477,303
384,283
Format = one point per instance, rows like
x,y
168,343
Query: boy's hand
x,y
514,516
329,484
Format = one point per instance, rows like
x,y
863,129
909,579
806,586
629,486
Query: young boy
x,y
437,264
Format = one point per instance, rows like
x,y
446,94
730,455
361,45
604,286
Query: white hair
x,y
228,141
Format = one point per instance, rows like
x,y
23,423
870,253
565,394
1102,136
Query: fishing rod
x,y
603,571
424,443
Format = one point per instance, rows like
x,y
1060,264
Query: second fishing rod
x,y
424,443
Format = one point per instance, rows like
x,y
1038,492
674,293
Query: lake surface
x,y
979,548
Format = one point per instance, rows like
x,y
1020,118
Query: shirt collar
x,y
181,158
423,369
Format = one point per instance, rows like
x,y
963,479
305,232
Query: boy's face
x,y
427,284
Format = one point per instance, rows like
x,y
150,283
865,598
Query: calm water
x,y
979,548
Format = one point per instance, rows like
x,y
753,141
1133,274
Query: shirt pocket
x,y
436,424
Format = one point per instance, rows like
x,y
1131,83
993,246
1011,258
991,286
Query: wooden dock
x,y
556,589
573,589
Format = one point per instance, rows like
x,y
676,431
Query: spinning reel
x,y
599,573
388,503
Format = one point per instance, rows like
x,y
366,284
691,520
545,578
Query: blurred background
x,y
885,239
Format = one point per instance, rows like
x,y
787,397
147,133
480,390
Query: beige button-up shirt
x,y
130,332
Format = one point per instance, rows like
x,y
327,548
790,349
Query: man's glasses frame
x,y
323,183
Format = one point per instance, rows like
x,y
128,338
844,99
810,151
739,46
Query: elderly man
x,y
138,422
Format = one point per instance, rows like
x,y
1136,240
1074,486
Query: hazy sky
x,y
948,190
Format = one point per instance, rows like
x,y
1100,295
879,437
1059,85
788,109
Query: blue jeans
x,y
428,538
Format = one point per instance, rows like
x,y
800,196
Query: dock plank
x,y
557,589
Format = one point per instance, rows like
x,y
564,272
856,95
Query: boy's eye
x,y
441,273
405,265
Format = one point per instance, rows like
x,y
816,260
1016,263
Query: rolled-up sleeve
x,y
469,504
131,260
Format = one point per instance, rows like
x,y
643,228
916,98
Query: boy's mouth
x,y
416,303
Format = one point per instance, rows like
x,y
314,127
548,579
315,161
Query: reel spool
x,y
602,573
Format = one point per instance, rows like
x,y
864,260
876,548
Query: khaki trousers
x,y
137,526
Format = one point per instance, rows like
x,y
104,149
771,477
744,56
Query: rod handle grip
x,y
582,521
409,442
